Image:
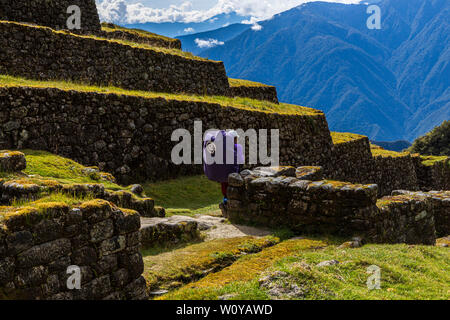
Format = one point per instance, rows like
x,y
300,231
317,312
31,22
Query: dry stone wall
x,y
331,207
353,161
441,204
133,36
128,136
435,176
50,13
265,93
43,54
301,205
37,245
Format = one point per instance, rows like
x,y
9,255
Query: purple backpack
x,y
219,172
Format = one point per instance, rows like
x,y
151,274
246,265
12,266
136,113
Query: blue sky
x,y
160,4
141,11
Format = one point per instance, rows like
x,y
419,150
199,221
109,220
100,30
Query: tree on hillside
x,y
436,142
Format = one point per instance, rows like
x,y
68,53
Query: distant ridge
x,y
389,84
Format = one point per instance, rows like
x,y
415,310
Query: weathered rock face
x,y
104,62
36,250
128,136
50,13
333,207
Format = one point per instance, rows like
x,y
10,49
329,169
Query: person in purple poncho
x,y
219,172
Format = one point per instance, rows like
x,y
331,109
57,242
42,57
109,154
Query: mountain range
x,y
389,84
175,29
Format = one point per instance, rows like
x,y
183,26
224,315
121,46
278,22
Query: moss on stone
x,y
345,137
245,83
109,27
430,161
95,204
378,151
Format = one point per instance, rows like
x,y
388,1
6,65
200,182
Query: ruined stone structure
x,y
331,207
129,135
266,93
37,245
50,13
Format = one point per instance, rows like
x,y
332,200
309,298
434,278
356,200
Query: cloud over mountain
x,y
120,11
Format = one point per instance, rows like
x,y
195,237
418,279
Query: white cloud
x,y
189,30
257,27
254,22
210,43
121,12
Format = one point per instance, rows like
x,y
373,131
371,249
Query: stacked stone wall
x,y
265,93
37,246
128,136
435,176
50,13
43,54
332,207
353,161
134,36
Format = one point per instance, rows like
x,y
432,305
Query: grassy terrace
x,y
431,160
378,151
237,102
344,137
45,171
186,195
175,52
44,168
172,269
407,272
245,83
108,27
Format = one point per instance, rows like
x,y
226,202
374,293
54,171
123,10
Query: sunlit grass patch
x,y
407,272
186,195
343,137
246,269
171,269
245,83
378,151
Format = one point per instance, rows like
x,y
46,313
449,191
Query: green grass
x,y
186,196
45,165
344,137
107,27
175,52
172,268
236,102
245,83
432,160
378,151
407,272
